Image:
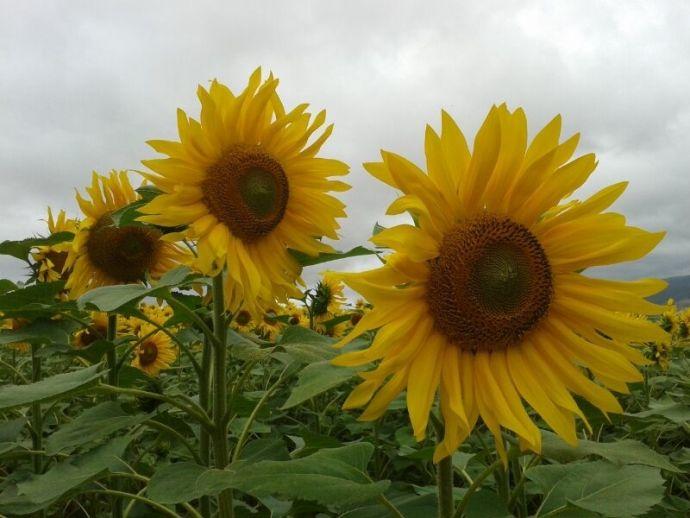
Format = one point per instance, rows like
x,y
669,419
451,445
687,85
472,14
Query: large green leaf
x,y
114,298
92,424
41,331
666,408
334,477
315,379
307,260
176,483
410,505
305,345
626,451
601,487
60,385
39,491
21,249
33,300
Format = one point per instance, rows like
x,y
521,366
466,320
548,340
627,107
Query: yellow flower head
x,y
103,254
155,353
50,259
246,181
270,325
484,299
242,321
296,316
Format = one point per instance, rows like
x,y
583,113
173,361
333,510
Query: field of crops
x,y
163,357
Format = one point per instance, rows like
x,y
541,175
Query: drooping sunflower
x,y
484,299
49,260
103,254
248,184
328,298
155,353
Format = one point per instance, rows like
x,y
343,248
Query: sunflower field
x,y
164,357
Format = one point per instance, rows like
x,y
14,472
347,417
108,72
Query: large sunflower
x,y
484,298
103,254
249,187
49,260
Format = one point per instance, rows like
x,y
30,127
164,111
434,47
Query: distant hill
x,y
678,290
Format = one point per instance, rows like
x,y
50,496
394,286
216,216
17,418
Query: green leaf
x,y
487,504
666,408
333,477
60,385
265,449
315,379
30,300
7,285
39,491
176,483
601,487
21,249
10,430
92,424
42,331
114,298
306,346
626,451
307,260
410,505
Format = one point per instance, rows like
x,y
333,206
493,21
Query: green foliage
x,y
21,249
307,260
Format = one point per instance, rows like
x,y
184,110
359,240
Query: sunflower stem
x,y
444,477
462,506
220,435
111,334
36,416
204,399
111,356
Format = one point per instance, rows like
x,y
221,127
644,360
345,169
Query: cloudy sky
x,y
84,84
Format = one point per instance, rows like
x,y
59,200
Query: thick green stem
x,y
112,355
36,418
204,401
459,512
444,477
111,334
220,436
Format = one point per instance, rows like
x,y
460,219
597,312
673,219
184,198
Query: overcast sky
x,y
83,85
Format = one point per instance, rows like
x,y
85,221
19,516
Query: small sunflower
x,y
328,298
296,316
49,260
155,353
97,330
15,324
158,313
103,254
249,186
270,325
484,299
242,322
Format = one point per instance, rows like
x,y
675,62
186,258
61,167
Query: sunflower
x,y
103,254
249,187
158,313
296,316
328,298
242,321
97,330
15,324
270,325
49,260
155,352
484,299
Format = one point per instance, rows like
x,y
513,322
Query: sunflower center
x,y
243,317
123,253
148,352
248,191
490,284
